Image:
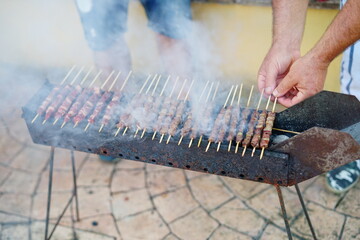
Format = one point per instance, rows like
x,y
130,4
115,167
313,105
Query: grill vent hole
x,y
89,149
187,166
223,172
136,157
74,147
153,160
104,152
170,163
120,155
241,175
260,179
279,182
205,169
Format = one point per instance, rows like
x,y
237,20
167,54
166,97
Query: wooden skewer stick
x,y
171,93
93,81
247,105
161,93
111,86
263,149
226,101
207,99
152,94
62,82
201,95
156,75
71,83
238,103
178,97
122,87
257,109
232,101
287,131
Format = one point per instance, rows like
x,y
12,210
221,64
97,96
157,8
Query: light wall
x,y
49,34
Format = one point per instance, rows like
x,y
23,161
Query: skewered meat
x,y
233,124
225,123
78,104
218,123
169,116
68,101
110,108
258,130
58,100
88,106
177,119
187,125
99,106
267,130
250,130
48,100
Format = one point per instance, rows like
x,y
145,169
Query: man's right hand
x,y
275,67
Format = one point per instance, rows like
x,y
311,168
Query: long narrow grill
x,y
108,122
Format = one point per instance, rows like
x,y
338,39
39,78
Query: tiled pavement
x,y
133,200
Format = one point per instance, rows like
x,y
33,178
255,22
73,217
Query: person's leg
x,y
343,178
104,24
171,20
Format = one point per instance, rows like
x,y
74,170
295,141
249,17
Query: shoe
x,y
108,159
343,178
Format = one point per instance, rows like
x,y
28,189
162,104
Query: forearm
x,y
288,22
342,32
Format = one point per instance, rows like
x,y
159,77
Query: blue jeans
x,y
104,20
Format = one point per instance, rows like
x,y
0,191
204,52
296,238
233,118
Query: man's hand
x,y
305,78
275,67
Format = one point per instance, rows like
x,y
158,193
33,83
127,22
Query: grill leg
x,y
75,186
282,204
305,211
51,168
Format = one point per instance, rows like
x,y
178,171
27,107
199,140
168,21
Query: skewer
x,y
112,85
172,91
263,149
107,92
224,123
140,91
101,88
62,82
177,99
207,99
71,83
287,131
238,103
161,93
147,91
247,105
257,109
226,101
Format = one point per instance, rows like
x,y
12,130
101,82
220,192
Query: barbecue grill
x,y
323,133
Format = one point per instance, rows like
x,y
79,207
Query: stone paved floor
x,y
133,200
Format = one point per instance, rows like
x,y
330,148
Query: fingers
x,y
291,100
287,84
270,80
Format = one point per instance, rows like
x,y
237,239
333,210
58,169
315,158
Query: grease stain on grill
x,y
94,223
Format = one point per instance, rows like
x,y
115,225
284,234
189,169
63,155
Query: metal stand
x,y
283,209
74,195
